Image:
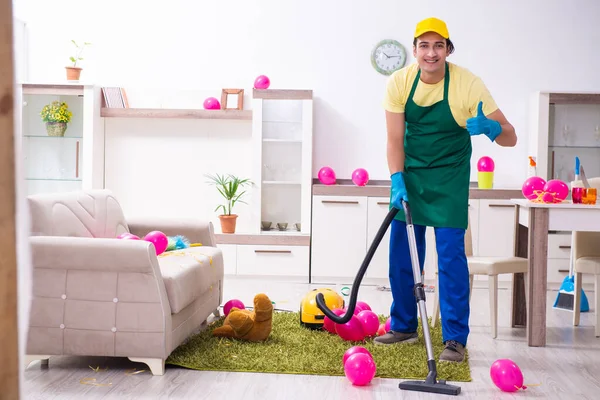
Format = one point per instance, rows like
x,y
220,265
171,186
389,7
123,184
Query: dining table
x,y
533,222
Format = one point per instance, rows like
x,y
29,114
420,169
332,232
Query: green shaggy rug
x,y
293,349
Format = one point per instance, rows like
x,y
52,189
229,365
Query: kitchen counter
x,y
382,189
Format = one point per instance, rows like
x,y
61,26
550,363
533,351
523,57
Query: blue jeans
x,y
453,279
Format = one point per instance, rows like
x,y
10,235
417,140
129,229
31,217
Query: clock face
x,y
388,56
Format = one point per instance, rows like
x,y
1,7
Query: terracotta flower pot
x,y
73,73
228,223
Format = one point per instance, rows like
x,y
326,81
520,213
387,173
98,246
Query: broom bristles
x,y
565,301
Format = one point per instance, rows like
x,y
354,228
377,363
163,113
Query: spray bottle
x,y
531,170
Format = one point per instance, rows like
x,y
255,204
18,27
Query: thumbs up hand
x,y
482,125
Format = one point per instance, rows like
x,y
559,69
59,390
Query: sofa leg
x,y
156,365
217,313
29,358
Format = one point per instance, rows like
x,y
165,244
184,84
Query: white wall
x,y
516,46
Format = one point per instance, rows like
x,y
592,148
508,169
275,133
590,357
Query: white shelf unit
x,y
58,164
563,126
282,136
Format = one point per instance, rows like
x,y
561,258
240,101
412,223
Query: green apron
x,y
437,166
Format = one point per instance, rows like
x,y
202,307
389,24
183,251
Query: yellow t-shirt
x,y
465,92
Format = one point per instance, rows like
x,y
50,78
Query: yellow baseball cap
x,y
432,25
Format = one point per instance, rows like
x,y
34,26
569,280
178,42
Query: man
x,y
433,108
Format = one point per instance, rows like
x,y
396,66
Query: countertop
x,y
382,189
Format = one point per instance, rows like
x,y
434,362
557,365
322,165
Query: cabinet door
x,y
496,228
290,262
339,237
229,258
474,225
378,208
379,268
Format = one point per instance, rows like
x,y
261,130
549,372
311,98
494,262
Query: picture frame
x,y
240,99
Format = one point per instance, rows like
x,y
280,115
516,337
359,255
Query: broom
x,y
565,300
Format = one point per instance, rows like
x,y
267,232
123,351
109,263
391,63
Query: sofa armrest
x,y
194,229
79,253
98,297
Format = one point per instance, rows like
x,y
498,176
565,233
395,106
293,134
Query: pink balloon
x,y
485,164
388,324
369,321
212,103
262,82
548,198
327,176
358,308
360,177
355,350
360,369
328,324
159,240
506,375
128,236
532,187
381,331
557,188
233,303
363,305
351,331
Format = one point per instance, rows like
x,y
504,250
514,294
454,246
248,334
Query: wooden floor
x,y
568,368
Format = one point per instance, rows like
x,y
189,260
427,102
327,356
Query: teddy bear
x,y
253,326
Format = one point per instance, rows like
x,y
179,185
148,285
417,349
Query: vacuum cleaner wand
x,y
430,384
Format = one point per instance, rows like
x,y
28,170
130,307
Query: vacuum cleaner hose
x,y
320,299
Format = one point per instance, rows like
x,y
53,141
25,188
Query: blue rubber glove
x,y
482,125
398,190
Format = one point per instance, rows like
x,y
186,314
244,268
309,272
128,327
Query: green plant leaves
x,y
228,186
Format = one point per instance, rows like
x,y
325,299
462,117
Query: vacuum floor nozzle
x,y
440,387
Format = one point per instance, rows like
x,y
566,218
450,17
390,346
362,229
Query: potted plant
x,y
229,187
56,115
73,71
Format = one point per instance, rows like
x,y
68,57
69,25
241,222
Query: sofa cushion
x,y
188,273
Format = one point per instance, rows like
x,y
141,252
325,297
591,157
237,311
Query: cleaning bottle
x,y
531,170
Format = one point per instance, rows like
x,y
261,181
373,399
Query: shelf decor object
x,y
240,99
232,189
73,71
56,115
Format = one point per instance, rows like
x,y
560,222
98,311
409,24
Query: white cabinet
x,y
495,231
282,128
66,160
378,208
339,237
344,228
496,228
273,260
266,260
229,258
564,126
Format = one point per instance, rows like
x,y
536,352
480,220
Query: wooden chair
x,y
586,259
490,266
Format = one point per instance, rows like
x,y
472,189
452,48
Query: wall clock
x,y
388,56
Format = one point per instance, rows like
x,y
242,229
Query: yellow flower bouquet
x,y
56,115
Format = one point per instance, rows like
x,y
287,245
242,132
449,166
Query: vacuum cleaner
x,y
431,384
